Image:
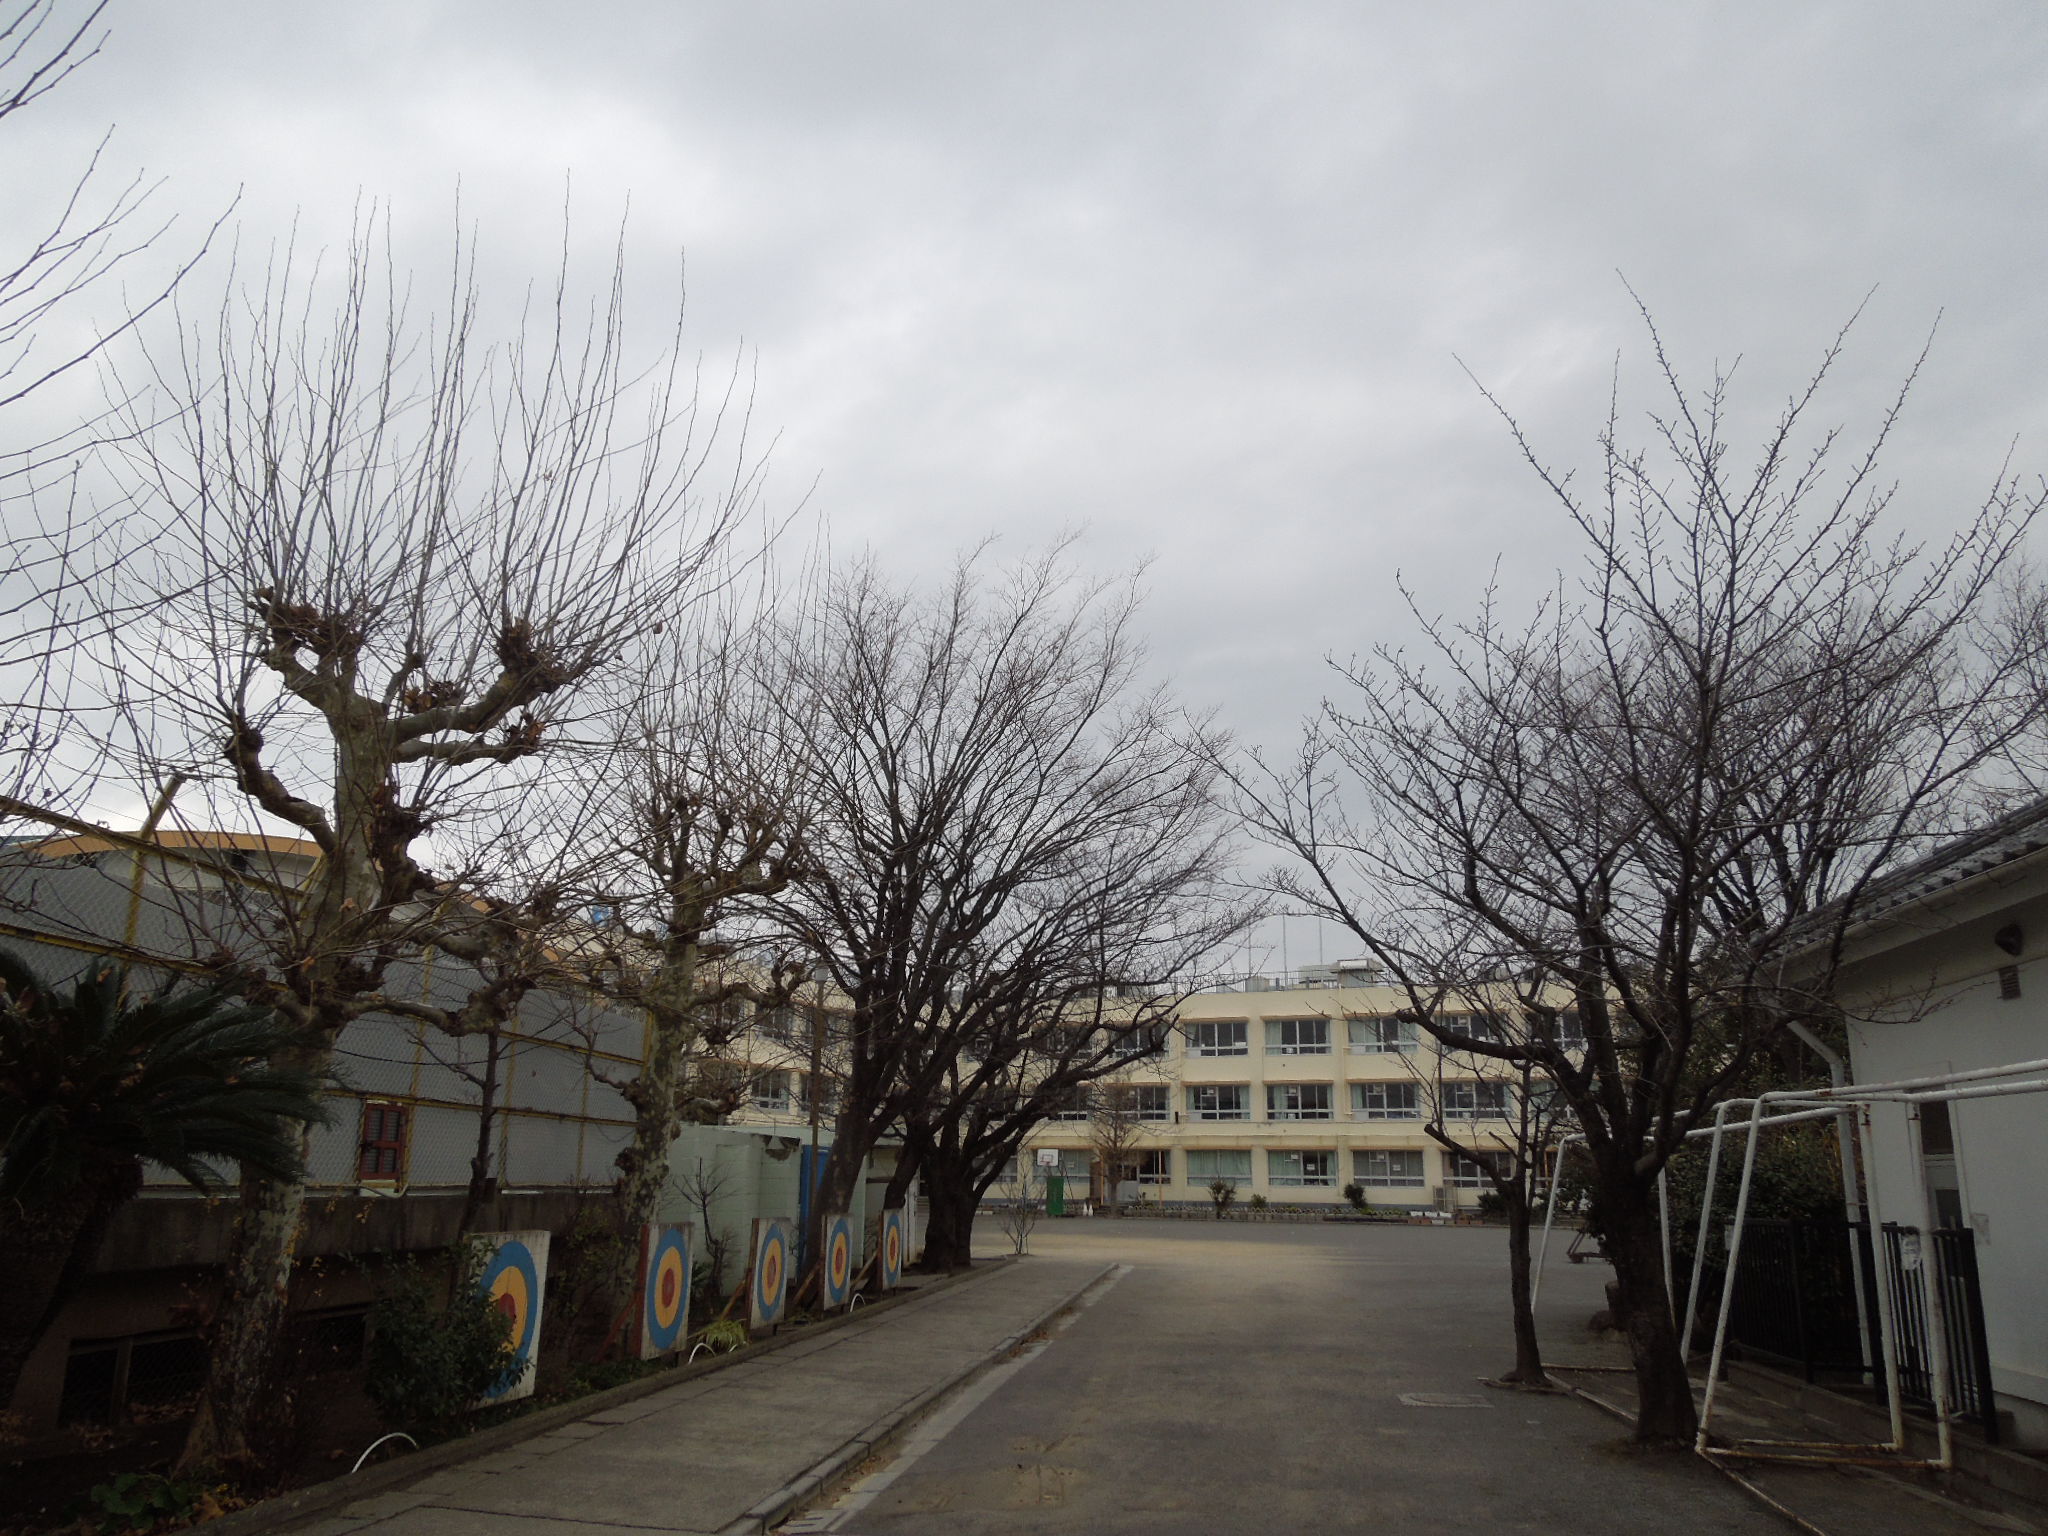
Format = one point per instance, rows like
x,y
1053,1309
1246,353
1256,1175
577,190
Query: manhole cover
x,y
1443,1400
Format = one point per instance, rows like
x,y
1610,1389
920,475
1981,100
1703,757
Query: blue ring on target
x,y
771,1273
511,1272
666,1304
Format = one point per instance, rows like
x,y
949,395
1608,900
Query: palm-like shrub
x,y
93,1085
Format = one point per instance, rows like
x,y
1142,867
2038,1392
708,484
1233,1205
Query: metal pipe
x,y
1664,1223
1549,1218
1699,1249
1887,1322
1932,1295
1852,1205
1728,1278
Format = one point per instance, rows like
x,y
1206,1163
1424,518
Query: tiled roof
x,y
1978,852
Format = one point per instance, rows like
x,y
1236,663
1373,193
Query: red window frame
x,y
380,1154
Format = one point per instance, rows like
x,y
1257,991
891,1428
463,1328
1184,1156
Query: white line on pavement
x,y
948,1418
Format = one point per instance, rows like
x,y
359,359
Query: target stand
x,y
514,1277
889,1246
768,1287
664,1287
837,1280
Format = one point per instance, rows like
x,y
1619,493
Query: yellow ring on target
x,y
668,1287
510,1295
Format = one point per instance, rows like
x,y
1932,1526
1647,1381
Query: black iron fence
x,y
1797,1305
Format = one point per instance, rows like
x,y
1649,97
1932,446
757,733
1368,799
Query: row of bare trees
x,y
481,618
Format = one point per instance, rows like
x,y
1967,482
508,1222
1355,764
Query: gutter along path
x,y
735,1450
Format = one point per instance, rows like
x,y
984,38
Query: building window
x,y
1394,1036
145,1379
1205,1167
1072,1104
1220,1101
1571,1030
1384,1101
1313,1170
1469,1171
826,1090
1297,1037
778,1024
770,1092
381,1156
1152,1166
1474,1101
1298,1101
1387,1169
1217,1037
1151,1101
1488,1027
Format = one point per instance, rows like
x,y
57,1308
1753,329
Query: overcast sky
x,y
1194,277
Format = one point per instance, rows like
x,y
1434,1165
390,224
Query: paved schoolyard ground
x,y
1265,1378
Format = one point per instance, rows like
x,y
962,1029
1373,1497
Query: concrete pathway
x,y
1263,1379
718,1453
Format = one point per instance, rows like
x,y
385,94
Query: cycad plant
x,y
95,1083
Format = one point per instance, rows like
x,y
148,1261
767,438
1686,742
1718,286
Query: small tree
x,y
1222,1192
94,1083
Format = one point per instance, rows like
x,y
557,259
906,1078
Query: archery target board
x,y
768,1290
838,1276
889,1250
514,1277
664,1287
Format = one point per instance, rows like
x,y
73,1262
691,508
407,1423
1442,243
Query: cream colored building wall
x,y
1344,1134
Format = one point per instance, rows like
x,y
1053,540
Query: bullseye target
x,y
890,1243
838,1261
770,1285
514,1277
664,1287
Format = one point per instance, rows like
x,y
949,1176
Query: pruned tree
x,y
395,555
988,779
696,811
1752,701
1120,1121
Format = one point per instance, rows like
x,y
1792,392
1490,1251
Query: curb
x,y
287,1509
826,1473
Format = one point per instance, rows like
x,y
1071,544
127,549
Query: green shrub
x,y
141,1501
1222,1192
430,1361
1258,1202
1355,1193
726,1334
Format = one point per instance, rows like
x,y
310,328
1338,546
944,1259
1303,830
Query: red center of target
x,y
668,1289
508,1306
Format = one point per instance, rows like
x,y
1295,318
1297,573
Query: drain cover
x,y
1443,1400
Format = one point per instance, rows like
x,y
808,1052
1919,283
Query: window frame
x,y
1477,1098
1407,1035
1362,1091
1279,1156
1301,1110
1361,1162
398,1145
1278,1029
1243,1091
1214,1028
1204,1179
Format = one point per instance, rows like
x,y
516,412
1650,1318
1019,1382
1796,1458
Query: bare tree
x,y
54,547
394,555
1120,1121
1752,702
988,781
695,810
1502,1117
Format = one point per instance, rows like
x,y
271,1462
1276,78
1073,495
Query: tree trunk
x,y
241,1362
1528,1371
1665,1413
949,1223
482,1187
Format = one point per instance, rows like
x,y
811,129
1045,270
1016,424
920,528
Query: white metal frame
x,y
1851,1106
